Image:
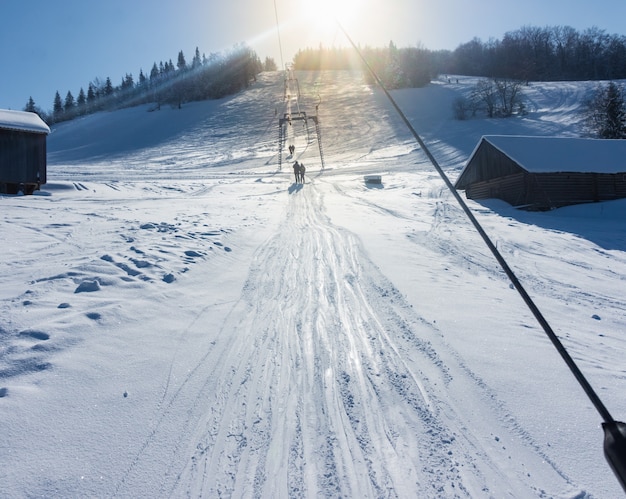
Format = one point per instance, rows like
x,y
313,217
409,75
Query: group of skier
x,y
298,171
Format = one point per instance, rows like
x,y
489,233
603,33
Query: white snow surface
x,y
180,319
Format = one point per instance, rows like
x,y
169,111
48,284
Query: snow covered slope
x,y
178,318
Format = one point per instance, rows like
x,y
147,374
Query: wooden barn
x,y
542,173
22,152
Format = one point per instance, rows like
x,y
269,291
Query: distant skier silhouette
x,y
302,172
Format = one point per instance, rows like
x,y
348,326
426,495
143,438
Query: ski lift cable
x,y
615,432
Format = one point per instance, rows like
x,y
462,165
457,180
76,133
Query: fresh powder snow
x,y
180,319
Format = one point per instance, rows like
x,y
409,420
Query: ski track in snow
x,y
328,346
323,382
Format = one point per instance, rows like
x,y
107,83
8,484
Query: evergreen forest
x,y
167,83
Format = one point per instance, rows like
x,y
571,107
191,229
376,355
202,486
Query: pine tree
x,y
142,78
181,64
30,106
82,99
127,82
197,61
91,93
606,112
69,102
393,76
270,64
108,87
57,108
615,123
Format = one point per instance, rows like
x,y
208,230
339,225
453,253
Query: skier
x,y
296,171
302,172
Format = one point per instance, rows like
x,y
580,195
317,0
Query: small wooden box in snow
x,y
373,179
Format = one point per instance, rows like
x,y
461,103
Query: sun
x,y
323,15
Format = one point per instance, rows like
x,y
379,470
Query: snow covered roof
x,y
22,121
562,154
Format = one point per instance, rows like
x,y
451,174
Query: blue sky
x,y
62,45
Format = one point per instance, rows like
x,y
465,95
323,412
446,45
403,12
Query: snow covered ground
x,y
178,318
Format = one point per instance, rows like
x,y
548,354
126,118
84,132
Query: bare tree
x,y
496,97
509,94
485,93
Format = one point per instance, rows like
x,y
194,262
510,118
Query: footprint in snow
x,y
141,264
36,335
126,268
221,245
88,287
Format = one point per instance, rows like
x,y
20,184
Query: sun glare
x,y
324,14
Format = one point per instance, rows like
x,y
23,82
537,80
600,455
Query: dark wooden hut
x,y
22,152
542,173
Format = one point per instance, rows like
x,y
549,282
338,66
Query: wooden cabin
x,y
542,173
23,162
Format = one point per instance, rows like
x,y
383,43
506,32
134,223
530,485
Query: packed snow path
x,y
319,400
323,381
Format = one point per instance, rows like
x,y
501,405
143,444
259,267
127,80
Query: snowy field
x,y
178,318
